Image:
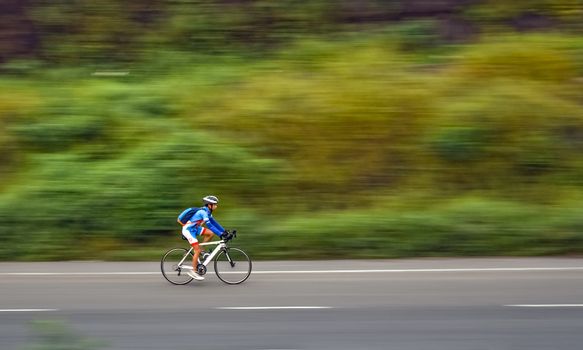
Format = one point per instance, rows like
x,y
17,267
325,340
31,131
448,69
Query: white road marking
x,y
276,272
27,310
272,307
486,269
75,273
546,305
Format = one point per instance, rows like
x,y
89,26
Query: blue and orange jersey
x,y
205,217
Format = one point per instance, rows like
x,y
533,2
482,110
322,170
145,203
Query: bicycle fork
x,y
231,262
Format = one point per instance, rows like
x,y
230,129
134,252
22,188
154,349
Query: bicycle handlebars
x,y
228,235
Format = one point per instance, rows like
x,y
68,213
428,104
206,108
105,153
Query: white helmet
x,y
210,200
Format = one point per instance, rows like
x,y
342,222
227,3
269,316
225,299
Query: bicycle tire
x,y
235,273
169,266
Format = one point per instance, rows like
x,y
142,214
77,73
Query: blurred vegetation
x,y
58,335
350,129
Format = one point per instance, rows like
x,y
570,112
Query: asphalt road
x,y
441,304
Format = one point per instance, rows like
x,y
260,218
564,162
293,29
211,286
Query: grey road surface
x,y
437,304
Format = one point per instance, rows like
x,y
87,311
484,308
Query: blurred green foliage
x,y
369,129
58,335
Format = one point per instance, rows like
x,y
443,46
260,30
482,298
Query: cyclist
x,y
194,228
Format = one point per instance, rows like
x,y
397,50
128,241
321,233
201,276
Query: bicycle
x,y
231,265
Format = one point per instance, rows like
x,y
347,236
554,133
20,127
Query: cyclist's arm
x,y
214,226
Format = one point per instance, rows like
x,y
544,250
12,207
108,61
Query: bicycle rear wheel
x,y
232,266
170,269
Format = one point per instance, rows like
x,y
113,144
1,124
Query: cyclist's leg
x,y
190,232
191,237
206,234
196,247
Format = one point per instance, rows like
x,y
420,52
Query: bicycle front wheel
x,y
170,269
232,266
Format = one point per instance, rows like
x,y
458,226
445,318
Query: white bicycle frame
x,y
219,246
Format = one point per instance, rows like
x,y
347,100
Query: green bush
x,y
342,148
538,57
58,335
59,133
140,194
467,226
